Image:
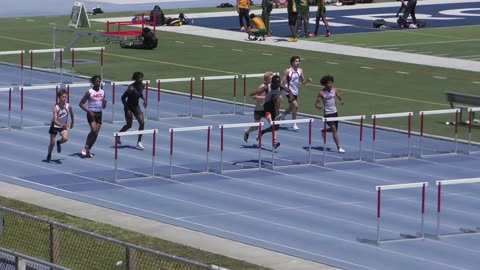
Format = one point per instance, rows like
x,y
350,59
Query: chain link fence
x,y
74,248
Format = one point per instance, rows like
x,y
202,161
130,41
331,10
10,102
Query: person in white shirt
x,y
292,77
96,103
59,124
328,96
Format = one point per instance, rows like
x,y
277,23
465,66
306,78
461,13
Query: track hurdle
x,y
21,54
342,118
9,90
405,237
53,51
212,78
159,90
297,121
436,112
442,183
185,129
114,89
241,125
117,135
85,49
470,121
391,115
34,87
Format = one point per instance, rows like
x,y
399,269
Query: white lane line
x,y
366,67
207,46
439,77
402,72
332,63
237,50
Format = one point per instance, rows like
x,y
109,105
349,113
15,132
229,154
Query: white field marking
x,y
366,67
267,54
237,50
468,56
332,63
426,43
476,82
29,20
439,77
402,72
179,41
207,46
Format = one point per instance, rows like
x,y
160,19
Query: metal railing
x,y
75,248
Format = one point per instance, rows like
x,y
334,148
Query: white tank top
x,y
95,101
329,101
260,102
293,80
62,115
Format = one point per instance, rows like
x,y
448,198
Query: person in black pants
x,y
148,41
409,9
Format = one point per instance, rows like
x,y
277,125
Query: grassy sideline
x,y
129,236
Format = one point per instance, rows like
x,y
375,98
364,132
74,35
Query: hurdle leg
x,y
378,215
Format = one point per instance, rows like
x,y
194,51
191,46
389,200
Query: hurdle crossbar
x,y
85,49
30,88
22,55
76,85
297,121
434,112
471,111
375,117
441,183
406,237
9,90
342,119
174,80
187,129
241,125
117,136
123,83
212,78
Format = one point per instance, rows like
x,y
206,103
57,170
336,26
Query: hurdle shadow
x,y
126,146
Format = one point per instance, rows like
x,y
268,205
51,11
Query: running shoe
x,y
340,150
245,136
327,34
140,145
312,35
292,39
276,145
242,28
49,157
59,147
89,155
295,127
84,152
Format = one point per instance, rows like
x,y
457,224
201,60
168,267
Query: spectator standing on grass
x,y
96,103
157,16
292,77
59,124
267,7
328,96
131,106
409,10
292,10
321,14
259,111
243,10
303,18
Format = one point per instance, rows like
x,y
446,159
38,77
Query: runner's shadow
x,y
78,155
126,147
55,161
319,148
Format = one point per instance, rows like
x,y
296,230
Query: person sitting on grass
x,y
147,41
257,28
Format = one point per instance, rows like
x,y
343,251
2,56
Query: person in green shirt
x,y
267,7
303,17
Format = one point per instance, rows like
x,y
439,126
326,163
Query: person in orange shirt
x,y
258,29
243,9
